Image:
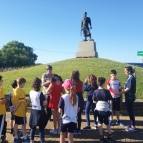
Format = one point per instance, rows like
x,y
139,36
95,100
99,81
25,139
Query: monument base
x,y
87,49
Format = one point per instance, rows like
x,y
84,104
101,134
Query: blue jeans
x,y
87,109
41,133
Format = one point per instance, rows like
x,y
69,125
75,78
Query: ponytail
x,y
73,95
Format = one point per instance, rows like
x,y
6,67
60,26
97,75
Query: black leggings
x,y
78,125
130,109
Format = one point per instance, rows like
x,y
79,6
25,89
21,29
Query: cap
x,y
67,84
49,67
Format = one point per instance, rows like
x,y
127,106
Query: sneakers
x,y
111,123
108,139
2,139
75,132
78,132
53,131
119,123
95,127
26,140
87,128
17,140
130,129
58,131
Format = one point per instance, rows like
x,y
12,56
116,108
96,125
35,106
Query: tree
x,y
16,54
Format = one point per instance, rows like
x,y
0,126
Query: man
x,y
84,27
46,80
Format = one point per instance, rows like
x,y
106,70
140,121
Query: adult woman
x,y
129,91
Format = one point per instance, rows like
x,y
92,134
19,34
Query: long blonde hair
x,y
73,95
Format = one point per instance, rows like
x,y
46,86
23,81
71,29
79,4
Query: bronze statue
x,y
84,27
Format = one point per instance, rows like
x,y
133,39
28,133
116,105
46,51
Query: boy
x,y
19,103
3,123
103,99
14,85
114,86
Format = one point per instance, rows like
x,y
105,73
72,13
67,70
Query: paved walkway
x,y
91,136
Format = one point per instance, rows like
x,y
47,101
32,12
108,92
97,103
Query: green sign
x,y
140,53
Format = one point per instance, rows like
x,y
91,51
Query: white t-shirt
x,y
69,111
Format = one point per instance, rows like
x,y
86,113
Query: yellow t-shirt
x,y
19,96
2,106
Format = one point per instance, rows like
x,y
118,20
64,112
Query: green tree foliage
x,y
15,54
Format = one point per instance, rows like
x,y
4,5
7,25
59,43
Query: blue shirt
x,y
131,84
90,90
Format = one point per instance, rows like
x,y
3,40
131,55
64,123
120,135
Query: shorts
x,y
103,119
68,127
116,104
12,116
20,120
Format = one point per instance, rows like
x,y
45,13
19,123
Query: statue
x,y
84,27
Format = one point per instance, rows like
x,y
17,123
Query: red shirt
x,y
79,85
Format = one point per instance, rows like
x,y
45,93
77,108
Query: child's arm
x,y
3,101
15,107
60,110
49,88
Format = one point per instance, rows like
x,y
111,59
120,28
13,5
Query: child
x,y
75,77
68,106
3,123
38,114
114,86
55,89
103,98
89,102
14,85
19,103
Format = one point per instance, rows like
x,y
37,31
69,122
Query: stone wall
x,y
138,107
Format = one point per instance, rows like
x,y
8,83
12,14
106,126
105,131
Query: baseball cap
x,y
49,67
67,84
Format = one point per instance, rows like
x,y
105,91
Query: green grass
x,y
97,66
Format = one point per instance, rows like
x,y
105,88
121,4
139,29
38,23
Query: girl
x,y
68,106
55,89
75,77
89,102
38,115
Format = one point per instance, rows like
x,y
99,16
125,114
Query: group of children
x,y
67,107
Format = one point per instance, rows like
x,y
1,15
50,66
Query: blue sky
x,y
52,27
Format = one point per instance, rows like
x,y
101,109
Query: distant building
x,y
137,64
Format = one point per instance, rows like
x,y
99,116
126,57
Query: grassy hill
x,y
97,66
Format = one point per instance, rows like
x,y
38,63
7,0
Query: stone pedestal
x,y
87,49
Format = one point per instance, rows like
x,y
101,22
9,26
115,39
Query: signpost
x,y
140,53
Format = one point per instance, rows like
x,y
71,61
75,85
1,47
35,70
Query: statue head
x,y
85,14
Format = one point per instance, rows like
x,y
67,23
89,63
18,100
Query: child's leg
x,y
87,109
70,137
79,120
100,129
109,129
62,137
58,117
54,119
111,117
24,130
32,133
100,122
15,130
41,133
117,115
